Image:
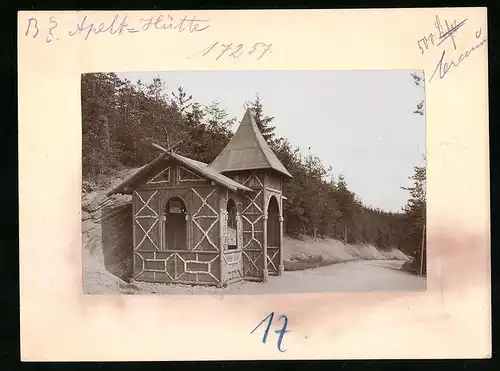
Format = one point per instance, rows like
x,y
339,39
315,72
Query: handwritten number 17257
x,y
234,50
280,332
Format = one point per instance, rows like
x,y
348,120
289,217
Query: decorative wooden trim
x,y
279,200
196,216
134,247
164,261
264,237
145,203
182,282
182,251
229,252
204,201
222,234
253,262
208,263
137,217
271,258
171,186
253,278
281,266
273,189
196,177
253,174
234,280
252,202
234,265
252,231
175,267
154,181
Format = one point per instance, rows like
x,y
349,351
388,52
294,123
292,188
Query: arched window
x,y
175,225
273,224
231,225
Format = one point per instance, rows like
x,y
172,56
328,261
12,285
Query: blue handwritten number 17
x,y
280,332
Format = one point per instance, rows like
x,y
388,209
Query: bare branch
x,y
169,149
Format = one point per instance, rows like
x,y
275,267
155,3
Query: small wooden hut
x,y
209,224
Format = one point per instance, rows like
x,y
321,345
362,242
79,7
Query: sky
x,y
361,123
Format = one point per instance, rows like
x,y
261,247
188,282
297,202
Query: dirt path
x,y
374,275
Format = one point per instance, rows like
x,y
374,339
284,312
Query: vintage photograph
x,y
253,182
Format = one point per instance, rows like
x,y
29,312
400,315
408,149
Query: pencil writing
x,y
444,65
232,50
118,25
445,30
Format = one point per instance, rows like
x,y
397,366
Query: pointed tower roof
x,y
248,150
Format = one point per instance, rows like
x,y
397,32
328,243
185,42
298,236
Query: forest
x,y
120,117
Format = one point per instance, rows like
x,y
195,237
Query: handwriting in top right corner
x,y
446,37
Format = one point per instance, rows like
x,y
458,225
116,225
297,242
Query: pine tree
x,y
345,199
263,122
419,81
415,216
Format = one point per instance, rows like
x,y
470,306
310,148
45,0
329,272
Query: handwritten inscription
x,y
448,31
117,26
231,50
50,31
445,30
444,66
281,332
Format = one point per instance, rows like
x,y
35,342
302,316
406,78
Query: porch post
x,y
281,267
265,272
133,273
222,226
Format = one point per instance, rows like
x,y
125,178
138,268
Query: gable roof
x,y
248,150
198,167
204,170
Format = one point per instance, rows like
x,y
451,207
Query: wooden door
x,y
273,237
175,225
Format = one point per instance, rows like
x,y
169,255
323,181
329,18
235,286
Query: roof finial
x,y
248,150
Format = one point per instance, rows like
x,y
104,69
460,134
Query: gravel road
x,y
356,276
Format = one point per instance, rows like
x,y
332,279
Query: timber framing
x,y
180,210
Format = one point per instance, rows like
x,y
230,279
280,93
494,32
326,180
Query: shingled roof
x,y
248,150
198,167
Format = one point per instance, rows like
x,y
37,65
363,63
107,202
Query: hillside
x,y
105,270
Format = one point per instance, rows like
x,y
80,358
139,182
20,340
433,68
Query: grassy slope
x,y
311,252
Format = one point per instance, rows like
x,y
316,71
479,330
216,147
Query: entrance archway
x,y
175,225
273,237
273,224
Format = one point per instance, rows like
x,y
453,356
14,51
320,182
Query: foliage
x,y
415,209
119,117
419,81
262,121
415,218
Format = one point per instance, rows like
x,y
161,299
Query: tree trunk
x,y
422,253
105,141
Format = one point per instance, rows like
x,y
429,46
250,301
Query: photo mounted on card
x,y
314,187
221,181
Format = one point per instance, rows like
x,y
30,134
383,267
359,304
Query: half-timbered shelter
x,y
211,224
